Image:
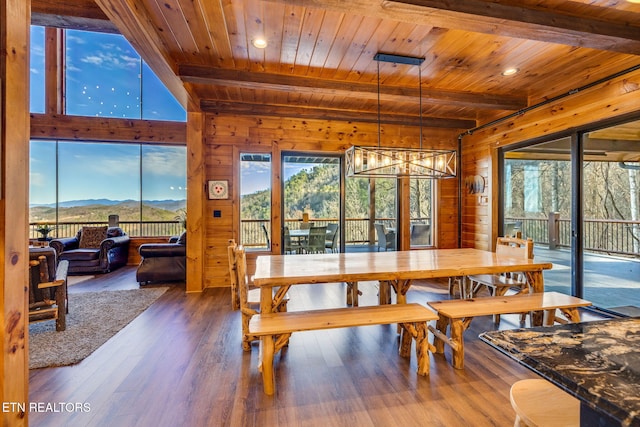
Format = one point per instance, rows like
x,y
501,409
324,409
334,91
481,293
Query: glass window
x,y
164,186
96,180
102,75
106,77
255,200
42,184
157,101
36,71
421,211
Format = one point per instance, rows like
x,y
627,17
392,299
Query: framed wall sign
x,y
218,189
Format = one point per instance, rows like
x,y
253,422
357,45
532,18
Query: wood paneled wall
x,y
614,98
227,135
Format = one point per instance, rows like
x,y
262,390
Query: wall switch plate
x,y
217,214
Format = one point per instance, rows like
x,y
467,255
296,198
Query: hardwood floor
x,y
180,363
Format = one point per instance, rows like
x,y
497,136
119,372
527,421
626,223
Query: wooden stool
x,y
540,403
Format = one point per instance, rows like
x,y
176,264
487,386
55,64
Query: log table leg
x,y
352,294
384,292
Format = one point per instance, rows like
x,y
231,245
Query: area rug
x,y
93,318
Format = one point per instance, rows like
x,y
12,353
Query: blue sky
x,y
105,77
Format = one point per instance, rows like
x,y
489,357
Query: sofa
x,y
93,250
163,262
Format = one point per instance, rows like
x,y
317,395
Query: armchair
x,y
163,261
93,250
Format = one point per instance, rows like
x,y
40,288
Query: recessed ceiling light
x,y
260,43
633,1
510,71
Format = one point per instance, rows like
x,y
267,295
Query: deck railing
x,y
611,236
608,236
132,228
356,229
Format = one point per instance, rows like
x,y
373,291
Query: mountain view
x,y
100,209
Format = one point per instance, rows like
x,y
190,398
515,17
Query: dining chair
x,y
498,284
316,243
386,238
248,299
332,237
306,225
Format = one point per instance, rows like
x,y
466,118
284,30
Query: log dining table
x,y
398,268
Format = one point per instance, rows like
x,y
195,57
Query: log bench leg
x,y
455,339
422,349
441,325
417,331
267,347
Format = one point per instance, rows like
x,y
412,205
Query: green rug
x,y
93,318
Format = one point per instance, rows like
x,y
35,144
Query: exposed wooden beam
x,y
513,20
76,128
72,14
235,78
330,114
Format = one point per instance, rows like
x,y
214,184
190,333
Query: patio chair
x,y
248,300
316,243
306,225
386,239
332,237
499,284
266,236
290,246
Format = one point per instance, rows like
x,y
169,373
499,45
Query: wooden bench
x,y
457,314
274,330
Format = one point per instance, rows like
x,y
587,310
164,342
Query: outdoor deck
x,y
610,281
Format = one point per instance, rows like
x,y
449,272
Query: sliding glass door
x,y
578,199
610,226
311,195
537,190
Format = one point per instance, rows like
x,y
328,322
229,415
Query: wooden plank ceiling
x,y
319,63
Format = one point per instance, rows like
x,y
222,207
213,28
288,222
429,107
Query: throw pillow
x,y
183,238
91,237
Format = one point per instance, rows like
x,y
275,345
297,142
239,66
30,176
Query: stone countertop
x,y
597,362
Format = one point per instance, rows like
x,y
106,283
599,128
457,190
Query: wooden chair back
x,y
515,247
233,274
243,284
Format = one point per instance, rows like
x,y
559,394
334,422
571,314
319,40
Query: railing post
x,y
554,229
